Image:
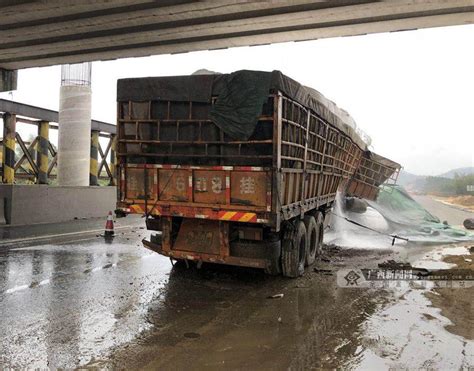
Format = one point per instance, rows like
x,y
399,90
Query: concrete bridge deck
x,y
40,33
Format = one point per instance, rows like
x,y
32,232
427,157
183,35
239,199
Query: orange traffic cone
x,y
109,226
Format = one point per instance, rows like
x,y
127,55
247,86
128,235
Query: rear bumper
x,y
188,255
194,212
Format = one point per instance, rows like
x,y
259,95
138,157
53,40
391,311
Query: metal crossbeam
x,y
43,114
24,157
103,155
27,153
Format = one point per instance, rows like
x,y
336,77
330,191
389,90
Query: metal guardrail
x,y
44,114
37,161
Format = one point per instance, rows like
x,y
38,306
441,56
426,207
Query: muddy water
x,y
235,325
315,325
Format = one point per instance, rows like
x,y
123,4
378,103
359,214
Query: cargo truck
x,y
236,169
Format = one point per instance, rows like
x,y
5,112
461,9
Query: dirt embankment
x,y
457,303
465,202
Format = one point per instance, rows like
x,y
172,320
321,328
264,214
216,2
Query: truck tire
x,y
293,249
469,223
320,234
312,238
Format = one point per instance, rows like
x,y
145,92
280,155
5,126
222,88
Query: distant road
x,y
452,214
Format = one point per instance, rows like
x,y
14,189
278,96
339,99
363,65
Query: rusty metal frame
x,y
224,259
277,175
325,160
370,175
193,209
171,148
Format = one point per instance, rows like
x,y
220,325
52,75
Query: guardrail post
x,y
113,160
94,163
9,134
42,152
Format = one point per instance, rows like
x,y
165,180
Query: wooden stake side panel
x,y
369,176
171,132
316,159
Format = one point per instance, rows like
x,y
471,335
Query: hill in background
x,y
460,171
451,182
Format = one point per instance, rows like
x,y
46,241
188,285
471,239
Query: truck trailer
x,y
238,168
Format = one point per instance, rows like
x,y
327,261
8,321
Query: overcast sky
x,y
412,92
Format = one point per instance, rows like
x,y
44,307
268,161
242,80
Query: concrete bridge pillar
x,y
74,125
8,80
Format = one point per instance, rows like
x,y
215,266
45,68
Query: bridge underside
x,y
40,33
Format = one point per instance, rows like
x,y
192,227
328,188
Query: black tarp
x,y
194,88
240,96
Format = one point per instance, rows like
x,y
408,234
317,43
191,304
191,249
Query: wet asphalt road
x,y
79,301
91,303
64,304
453,215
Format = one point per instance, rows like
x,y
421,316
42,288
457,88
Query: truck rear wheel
x,y
293,249
312,237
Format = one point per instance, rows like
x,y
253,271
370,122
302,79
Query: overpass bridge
x,y
52,32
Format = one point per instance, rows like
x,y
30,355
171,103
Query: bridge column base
x,y
27,204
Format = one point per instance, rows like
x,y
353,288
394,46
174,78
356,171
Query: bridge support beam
x,y
42,152
9,133
94,161
8,79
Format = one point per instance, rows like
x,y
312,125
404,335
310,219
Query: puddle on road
x,y
434,258
411,334
416,329
67,304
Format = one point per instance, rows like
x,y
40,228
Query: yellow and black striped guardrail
x,y
42,152
9,133
94,164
